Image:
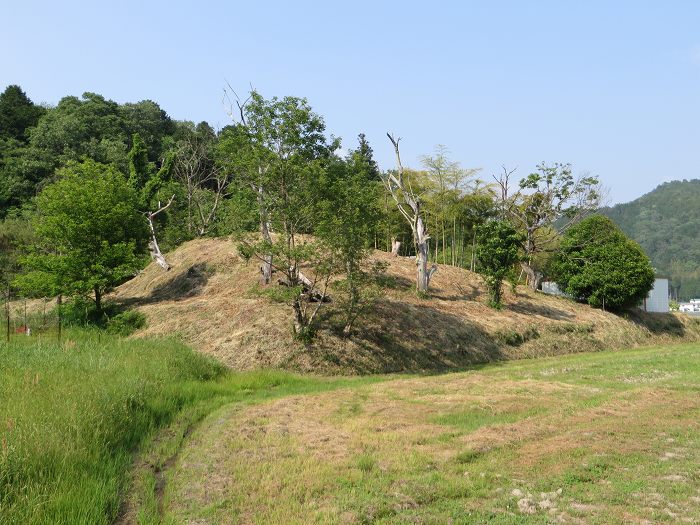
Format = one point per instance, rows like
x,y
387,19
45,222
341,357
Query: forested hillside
x,y
90,188
666,222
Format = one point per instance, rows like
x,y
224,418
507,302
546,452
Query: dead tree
x,y
395,247
409,205
206,184
153,247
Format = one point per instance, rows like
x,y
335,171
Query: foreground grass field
x,y
610,437
73,416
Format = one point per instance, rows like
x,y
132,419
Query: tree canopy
x,y
90,235
666,224
598,264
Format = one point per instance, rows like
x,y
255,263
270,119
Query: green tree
x,y
90,235
17,113
363,157
346,221
598,264
497,252
546,203
284,152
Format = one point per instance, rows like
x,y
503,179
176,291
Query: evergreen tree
x,y
598,264
17,113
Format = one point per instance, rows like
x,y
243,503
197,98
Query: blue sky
x,y
612,89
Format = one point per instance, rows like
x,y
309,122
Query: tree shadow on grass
x,y
418,338
530,308
184,285
657,323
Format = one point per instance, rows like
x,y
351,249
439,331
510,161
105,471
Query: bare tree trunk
x,y
59,308
7,310
98,300
298,316
423,273
395,246
266,266
533,277
444,244
408,204
472,265
153,247
454,241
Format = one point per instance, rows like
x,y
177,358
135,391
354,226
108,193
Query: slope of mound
x,y
211,299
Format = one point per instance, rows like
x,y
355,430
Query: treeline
x,y
89,188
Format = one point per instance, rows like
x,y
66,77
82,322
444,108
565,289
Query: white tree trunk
x,y
408,204
153,247
533,276
395,246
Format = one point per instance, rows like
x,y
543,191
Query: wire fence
x,y
36,318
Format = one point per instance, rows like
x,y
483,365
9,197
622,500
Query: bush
x,y
513,338
497,252
598,264
126,323
81,311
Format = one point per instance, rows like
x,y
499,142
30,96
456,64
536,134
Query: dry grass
x,y
545,441
209,299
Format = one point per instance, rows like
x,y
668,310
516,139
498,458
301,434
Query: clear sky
x,y
611,87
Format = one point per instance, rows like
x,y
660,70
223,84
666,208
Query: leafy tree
x,y
155,128
363,157
598,264
17,113
497,251
546,203
205,181
281,152
447,182
90,235
666,222
348,213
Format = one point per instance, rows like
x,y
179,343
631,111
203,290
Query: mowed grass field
x,y
602,438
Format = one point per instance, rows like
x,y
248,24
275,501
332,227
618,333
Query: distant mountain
x,y
666,222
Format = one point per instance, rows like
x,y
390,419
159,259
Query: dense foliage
x,y
497,252
666,223
598,264
91,175
90,235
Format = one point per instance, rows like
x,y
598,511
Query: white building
x,y
689,308
657,300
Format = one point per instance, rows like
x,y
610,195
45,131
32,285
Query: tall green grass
x,y
73,416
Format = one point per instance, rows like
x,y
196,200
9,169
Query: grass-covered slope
x,y
599,438
212,299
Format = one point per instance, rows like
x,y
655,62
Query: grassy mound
x,y
212,299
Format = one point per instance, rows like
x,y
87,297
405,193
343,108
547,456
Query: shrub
x,y
598,264
497,252
513,338
126,323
